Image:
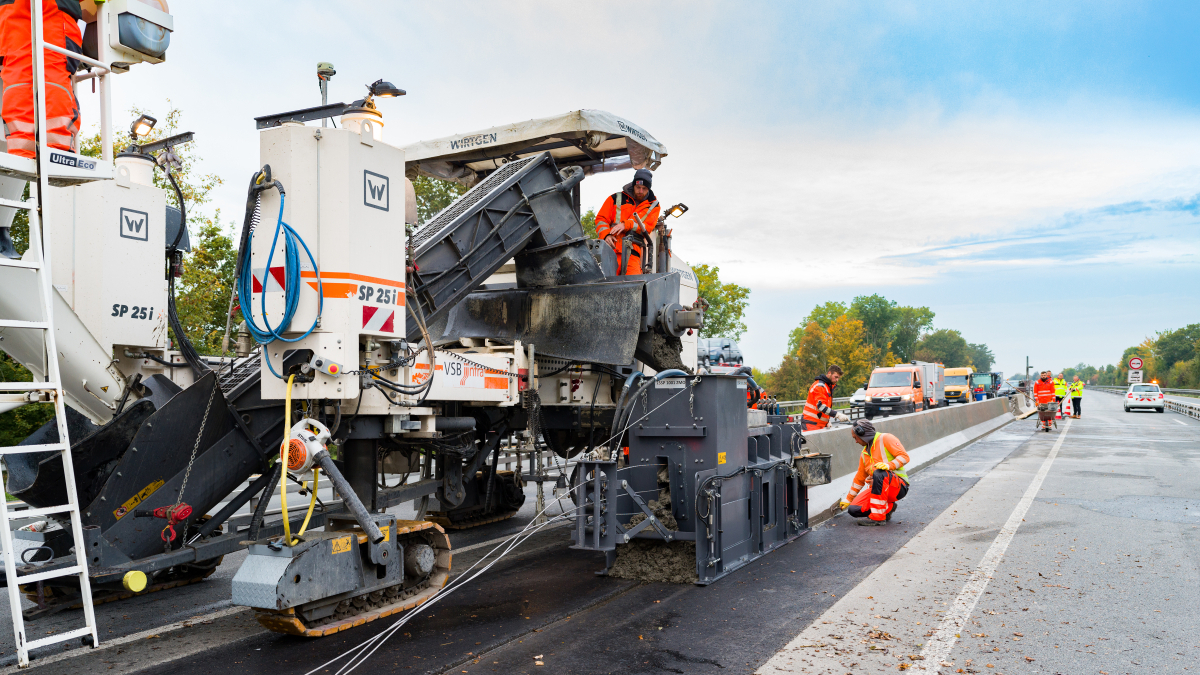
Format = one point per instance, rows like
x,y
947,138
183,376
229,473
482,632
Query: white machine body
x,y
339,198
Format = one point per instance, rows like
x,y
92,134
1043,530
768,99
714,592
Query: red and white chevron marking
x,y
378,319
275,282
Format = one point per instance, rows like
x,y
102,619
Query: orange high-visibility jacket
x,y
872,455
819,406
1043,392
607,223
60,28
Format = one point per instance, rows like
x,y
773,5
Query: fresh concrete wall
x,y
927,436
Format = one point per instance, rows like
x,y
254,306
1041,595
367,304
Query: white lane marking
x,y
134,637
938,648
1183,423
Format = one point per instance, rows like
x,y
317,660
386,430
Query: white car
x,y
1147,396
859,397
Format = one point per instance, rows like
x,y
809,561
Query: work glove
x,y
844,504
882,466
842,417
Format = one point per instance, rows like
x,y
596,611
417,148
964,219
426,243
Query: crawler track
x,y
380,604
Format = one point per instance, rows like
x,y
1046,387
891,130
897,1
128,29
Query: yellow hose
x,y
287,439
312,503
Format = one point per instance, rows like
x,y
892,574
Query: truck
x,y
895,390
958,384
987,383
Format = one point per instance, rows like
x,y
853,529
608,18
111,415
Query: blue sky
x,y
1027,170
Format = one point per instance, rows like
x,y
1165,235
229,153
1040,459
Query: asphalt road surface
x,y
1024,552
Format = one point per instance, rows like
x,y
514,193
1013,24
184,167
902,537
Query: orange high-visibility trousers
x,y
62,109
879,498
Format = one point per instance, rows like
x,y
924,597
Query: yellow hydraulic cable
x,y
287,440
312,503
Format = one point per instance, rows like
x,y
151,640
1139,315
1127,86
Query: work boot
x,y
867,522
889,515
6,244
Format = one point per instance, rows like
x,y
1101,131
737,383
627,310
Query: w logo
x,y
135,224
375,191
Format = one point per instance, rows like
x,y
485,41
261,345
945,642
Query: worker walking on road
x,y
1076,397
626,219
60,28
818,409
880,471
1044,396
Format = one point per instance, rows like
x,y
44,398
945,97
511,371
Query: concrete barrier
x,y
927,436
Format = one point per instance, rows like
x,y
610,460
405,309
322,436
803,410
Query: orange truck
x,y
904,388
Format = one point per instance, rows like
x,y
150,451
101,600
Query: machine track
x,y
443,519
376,604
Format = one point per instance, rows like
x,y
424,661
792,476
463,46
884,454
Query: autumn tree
x,y
846,346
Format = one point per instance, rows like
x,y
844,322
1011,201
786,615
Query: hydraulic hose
x,y
267,333
287,439
189,353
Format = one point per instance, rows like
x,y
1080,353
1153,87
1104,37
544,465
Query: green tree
x,y
589,224
877,315
433,195
981,357
824,314
16,425
726,304
908,324
1173,346
944,346
202,295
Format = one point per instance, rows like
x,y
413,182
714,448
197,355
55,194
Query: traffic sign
x,y
1135,363
1135,376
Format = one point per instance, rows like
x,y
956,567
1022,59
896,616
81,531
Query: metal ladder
x,y
38,260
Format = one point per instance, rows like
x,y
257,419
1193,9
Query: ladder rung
x,y
28,386
9,323
16,205
62,637
34,513
52,574
9,262
22,449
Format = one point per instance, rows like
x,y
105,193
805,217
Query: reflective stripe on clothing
x,y
1060,387
1076,389
883,448
818,408
62,109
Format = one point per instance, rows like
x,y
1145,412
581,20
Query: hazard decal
x,y
131,503
275,282
378,319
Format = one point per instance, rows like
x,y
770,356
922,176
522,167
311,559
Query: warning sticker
x,y
720,458
131,503
387,534
341,544
741,384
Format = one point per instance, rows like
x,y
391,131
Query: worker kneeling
x,y
881,471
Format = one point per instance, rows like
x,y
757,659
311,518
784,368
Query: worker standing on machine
x,y
881,471
60,27
1076,397
818,409
626,219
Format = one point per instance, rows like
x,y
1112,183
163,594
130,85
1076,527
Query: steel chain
x,y
196,447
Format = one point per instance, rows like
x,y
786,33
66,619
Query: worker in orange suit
x,y
818,409
880,471
1044,394
60,28
629,217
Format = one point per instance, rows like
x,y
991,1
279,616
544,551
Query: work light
x,y
142,126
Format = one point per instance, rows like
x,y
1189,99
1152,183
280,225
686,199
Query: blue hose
x,y
292,284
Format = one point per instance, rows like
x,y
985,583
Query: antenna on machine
x,y
325,72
